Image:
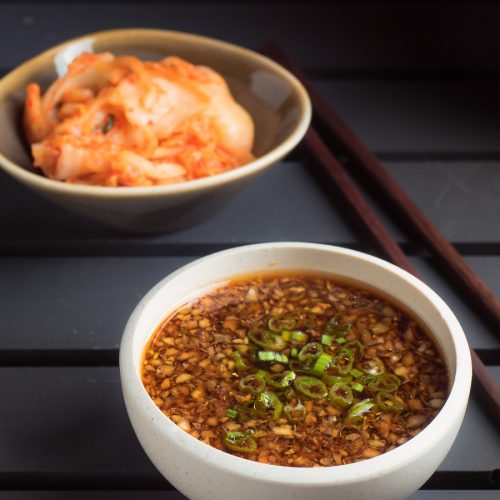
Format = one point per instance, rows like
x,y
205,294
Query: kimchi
x,y
121,121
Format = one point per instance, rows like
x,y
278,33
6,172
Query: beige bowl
x,y
277,102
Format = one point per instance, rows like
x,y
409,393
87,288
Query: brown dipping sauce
x,y
295,369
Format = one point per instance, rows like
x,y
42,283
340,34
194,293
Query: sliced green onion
x,y
389,402
356,373
246,412
326,339
298,336
267,340
232,413
295,414
336,329
281,380
272,356
356,347
286,335
310,352
335,379
373,366
387,382
310,387
299,367
239,362
340,395
342,328
294,336
371,382
341,340
240,442
357,387
342,362
330,326
236,435
280,323
289,394
294,352
321,364
268,405
357,411
253,383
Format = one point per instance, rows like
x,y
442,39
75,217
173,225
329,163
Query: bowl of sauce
x,y
285,368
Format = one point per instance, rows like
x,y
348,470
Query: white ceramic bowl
x,y
203,472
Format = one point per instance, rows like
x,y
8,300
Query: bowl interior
x,y
256,83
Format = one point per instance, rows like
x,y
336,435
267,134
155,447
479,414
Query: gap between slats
x,y
31,481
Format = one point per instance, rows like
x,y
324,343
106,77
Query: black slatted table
x,y
426,101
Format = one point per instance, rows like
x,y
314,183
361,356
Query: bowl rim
x,y
7,86
365,470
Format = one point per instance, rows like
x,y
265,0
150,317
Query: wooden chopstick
x,y
487,386
355,199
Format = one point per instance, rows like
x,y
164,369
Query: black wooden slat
x,y
382,38
74,303
84,303
488,268
284,203
421,118
73,421
69,420
478,334
462,198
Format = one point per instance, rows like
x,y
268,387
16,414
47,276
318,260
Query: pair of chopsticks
x,y
339,134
